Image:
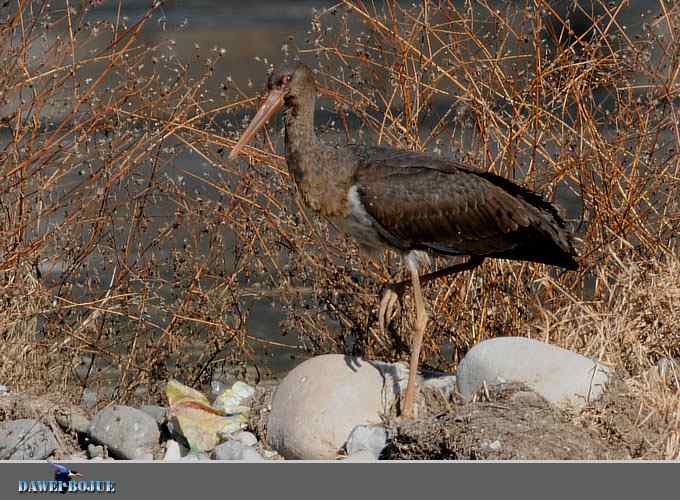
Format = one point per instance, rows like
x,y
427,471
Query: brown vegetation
x,y
119,266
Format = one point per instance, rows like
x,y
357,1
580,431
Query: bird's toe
x,y
388,305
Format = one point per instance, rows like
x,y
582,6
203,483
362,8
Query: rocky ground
x,y
512,398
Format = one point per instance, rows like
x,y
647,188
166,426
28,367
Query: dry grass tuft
x,y
635,327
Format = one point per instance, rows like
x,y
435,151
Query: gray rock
x,y
95,451
562,377
244,437
26,439
72,420
3,389
127,432
371,438
445,385
320,402
229,450
158,413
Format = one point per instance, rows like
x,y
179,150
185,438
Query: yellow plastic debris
x,y
201,424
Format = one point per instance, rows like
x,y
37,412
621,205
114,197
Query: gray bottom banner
x,y
233,480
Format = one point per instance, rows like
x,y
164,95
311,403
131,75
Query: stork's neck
x,y
303,147
322,176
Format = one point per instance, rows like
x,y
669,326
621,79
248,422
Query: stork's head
x,y
292,80
284,86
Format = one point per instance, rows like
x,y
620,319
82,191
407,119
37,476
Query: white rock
x,y
361,456
244,437
172,450
562,377
372,438
322,400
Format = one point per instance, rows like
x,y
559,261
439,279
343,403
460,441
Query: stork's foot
x,y
391,297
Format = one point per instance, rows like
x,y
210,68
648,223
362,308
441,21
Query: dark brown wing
x,y
418,201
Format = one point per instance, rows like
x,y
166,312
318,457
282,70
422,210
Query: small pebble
x,y
95,451
446,385
245,438
372,438
229,450
270,454
72,421
172,451
3,389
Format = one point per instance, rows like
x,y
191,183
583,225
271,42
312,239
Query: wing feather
x,y
421,202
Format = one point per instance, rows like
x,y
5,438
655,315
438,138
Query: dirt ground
x,y
511,422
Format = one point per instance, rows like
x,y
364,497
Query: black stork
x,y
410,202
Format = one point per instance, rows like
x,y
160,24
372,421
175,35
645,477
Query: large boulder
x,y
562,377
320,402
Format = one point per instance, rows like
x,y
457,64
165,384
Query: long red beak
x,y
272,102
